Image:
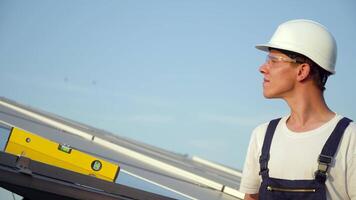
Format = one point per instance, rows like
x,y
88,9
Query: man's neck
x,y
308,111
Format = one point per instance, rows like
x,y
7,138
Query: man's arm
x,y
251,180
251,197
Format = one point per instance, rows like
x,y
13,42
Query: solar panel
x,y
143,166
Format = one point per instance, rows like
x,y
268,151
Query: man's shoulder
x,y
349,137
261,128
351,130
259,132
351,127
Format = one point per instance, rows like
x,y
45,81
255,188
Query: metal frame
x,y
35,180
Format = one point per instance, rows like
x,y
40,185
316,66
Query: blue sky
x,y
181,75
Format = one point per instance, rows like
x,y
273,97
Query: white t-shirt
x,y
295,156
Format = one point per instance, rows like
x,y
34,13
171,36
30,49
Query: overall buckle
x,y
323,167
264,165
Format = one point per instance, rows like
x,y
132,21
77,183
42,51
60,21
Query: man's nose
x,y
263,68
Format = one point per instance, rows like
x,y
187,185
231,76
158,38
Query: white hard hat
x,y
308,38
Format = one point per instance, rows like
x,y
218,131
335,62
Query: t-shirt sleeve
x,y
250,182
351,185
351,168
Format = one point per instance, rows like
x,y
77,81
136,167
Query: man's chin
x,y
269,96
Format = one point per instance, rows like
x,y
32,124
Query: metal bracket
x,y
22,164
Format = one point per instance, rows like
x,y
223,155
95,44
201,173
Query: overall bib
x,y
281,189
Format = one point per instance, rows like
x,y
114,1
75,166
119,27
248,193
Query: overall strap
x,y
329,149
266,147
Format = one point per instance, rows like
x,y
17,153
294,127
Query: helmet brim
x,y
262,47
266,47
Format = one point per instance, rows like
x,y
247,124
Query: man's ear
x,y
303,71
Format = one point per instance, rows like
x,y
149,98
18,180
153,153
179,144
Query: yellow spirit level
x,y
23,143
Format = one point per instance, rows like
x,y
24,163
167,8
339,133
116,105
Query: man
x,y
311,153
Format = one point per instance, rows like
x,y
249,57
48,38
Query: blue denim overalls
x,y
280,189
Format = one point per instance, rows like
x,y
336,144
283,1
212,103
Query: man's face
x,y
279,75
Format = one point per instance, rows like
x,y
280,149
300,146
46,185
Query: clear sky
x,y
181,75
